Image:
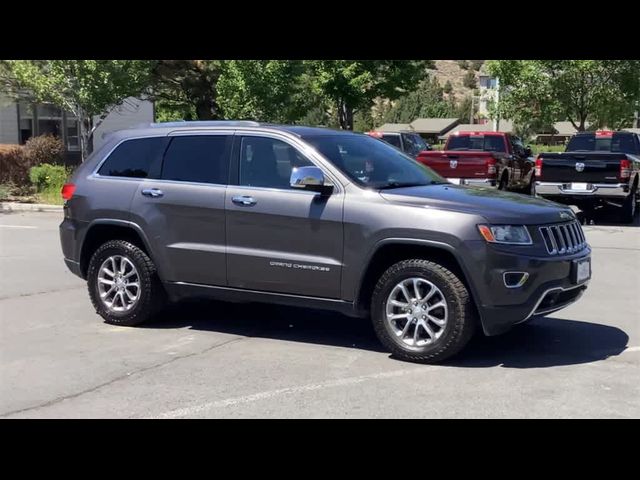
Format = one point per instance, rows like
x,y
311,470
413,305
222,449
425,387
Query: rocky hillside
x,y
450,70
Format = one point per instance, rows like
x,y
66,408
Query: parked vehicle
x,y
491,159
596,169
313,217
409,142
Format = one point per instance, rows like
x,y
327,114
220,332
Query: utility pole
x,y
496,121
471,113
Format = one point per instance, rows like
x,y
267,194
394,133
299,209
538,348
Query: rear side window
x,y
132,158
198,158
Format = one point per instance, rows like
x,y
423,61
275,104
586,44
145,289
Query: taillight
x,y
538,167
67,191
491,166
625,169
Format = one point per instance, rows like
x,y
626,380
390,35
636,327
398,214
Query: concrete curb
x,y
29,207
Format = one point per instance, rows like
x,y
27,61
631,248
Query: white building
x,y
21,120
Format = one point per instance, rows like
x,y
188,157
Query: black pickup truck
x,y
597,168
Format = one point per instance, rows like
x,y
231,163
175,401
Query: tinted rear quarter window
x,y
133,158
198,158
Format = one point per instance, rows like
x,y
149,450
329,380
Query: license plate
x,y
455,181
583,270
579,186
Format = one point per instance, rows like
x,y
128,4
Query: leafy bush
x,y
5,191
48,178
44,149
463,64
13,165
469,79
476,64
547,148
448,88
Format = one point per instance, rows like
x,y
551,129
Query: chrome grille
x,y
563,238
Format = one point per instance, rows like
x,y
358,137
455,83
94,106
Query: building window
x,y
49,120
25,114
72,132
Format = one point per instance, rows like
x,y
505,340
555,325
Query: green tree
x,y
601,92
448,88
89,89
427,101
463,64
186,89
265,90
476,64
469,79
352,85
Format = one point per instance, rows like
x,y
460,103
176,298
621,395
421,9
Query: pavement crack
x,y
122,377
55,290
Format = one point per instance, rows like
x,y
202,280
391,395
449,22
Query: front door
x,y
182,211
281,239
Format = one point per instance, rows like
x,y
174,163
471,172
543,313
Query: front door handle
x,y
244,200
152,192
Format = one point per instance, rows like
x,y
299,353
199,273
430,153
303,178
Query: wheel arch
x,y
103,230
390,251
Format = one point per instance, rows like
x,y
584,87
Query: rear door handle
x,y
244,200
152,192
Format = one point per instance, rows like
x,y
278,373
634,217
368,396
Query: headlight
x,y
511,234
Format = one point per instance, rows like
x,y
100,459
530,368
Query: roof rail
x,y
205,123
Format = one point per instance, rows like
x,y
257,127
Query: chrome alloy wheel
x,y
118,284
416,312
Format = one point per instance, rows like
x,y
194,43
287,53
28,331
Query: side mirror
x,y
527,151
309,178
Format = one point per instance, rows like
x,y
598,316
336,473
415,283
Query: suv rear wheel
x,y
123,284
421,311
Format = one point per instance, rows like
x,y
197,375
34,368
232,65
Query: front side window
x,y
198,158
415,144
371,163
132,158
392,139
267,162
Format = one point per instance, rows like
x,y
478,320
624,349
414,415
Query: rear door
x,y
182,210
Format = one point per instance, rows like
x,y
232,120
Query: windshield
x,y
616,143
488,143
372,163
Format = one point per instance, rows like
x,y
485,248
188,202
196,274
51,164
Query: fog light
x,y
514,279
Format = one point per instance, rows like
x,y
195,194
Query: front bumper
x,y
559,189
550,286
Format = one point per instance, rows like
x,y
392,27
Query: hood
x,y
496,206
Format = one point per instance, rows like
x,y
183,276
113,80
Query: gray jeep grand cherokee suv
x,y
313,217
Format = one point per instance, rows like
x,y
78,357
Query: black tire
x,y
152,295
531,189
504,182
461,322
629,207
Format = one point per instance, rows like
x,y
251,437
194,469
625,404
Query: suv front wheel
x,y
123,284
422,312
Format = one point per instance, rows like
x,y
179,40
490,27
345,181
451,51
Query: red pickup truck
x,y
492,159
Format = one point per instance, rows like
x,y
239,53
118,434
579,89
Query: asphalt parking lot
x,y
211,359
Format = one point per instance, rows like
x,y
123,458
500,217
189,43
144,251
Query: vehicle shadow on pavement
x,y
270,321
544,342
